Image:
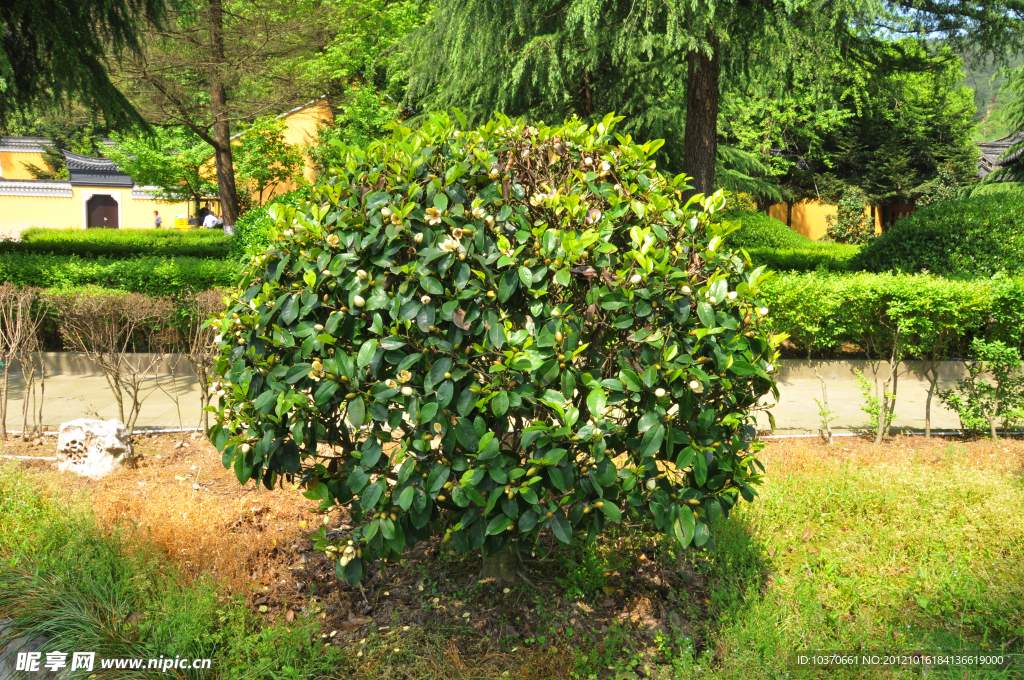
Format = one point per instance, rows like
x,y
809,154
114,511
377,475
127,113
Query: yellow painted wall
x,y
12,164
18,213
809,217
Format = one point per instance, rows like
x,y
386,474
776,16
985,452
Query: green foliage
x,y
822,311
159,276
872,404
264,160
365,115
1012,162
851,223
980,403
977,236
945,187
121,243
521,329
173,160
252,232
758,230
55,53
771,243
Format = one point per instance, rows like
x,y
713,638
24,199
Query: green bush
x,y
150,275
522,328
771,243
121,243
822,311
252,231
758,230
966,238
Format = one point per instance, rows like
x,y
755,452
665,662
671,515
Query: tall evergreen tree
x,y
663,63
53,52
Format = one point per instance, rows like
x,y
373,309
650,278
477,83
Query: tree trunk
x,y
700,140
501,567
221,128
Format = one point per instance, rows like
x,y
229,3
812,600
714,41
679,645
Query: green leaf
x,y
631,379
498,524
432,285
527,521
353,571
366,353
499,404
563,276
356,412
684,527
441,201
526,276
405,498
290,309
466,435
611,511
568,385
444,393
596,402
371,496
652,440
706,314
561,528
701,534
507,285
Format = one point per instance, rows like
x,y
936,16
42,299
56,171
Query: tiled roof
x,y
993,154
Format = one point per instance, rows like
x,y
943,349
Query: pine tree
x,y
664,63
55,52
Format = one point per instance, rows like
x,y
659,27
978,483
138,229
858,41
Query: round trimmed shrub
x,y
493,334
976,236
757,230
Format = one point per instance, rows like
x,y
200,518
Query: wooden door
x,y
101,212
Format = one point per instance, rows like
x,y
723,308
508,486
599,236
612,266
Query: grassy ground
x,y
912,545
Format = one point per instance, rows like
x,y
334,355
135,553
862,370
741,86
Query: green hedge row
x,y
821,311
150,275
971,237
122,243
770,242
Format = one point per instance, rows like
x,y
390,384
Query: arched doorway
x,y
101,211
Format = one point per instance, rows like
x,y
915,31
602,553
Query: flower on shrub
x,y
498,385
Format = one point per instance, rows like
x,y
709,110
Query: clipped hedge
x,y
821,311
251,232
770,242
758,230
121,243
971,237
150,275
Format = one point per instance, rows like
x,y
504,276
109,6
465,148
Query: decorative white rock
x,y
93,448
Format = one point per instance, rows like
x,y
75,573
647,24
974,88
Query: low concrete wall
x,y
76,363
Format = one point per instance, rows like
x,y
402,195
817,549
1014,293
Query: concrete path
x,y
75,390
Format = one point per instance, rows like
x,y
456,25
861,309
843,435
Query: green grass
x,y
121,243
85,588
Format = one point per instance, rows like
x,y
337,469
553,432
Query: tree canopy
x,y
55,52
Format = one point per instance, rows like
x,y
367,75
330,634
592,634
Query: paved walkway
x,y
79,393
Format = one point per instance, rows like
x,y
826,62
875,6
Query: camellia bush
x,y
498,335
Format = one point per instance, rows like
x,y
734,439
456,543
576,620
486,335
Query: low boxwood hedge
x,y
770,242
150,275
122,243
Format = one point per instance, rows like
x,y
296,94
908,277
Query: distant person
x,y
210,221
203,212
157,220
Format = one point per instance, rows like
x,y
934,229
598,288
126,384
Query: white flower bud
x,y
763,311
359,301
425,299
361,274
245,448
588,161
696,386
652,484
733,294
418,238
407,391
325,273
659,393
635,279
385,212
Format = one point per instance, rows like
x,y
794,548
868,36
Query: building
x,y
97,193
992,153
